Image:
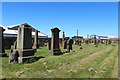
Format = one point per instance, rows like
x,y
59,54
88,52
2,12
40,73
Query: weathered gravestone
x,y
87,41
101,41
24,44
65,44
63,39
36,45
49,44
60,42
55,49
106,42
109,42
41,42
77,41
13,56
2,51
15,45
95,41
69,45
80,42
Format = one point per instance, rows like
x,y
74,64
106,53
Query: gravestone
x,y
63,39
101,41
24,43
77,41
15,45
65,44
106,42
109,41
8,43
74,41
13,56
69,45
49,44
60,42
36,45
41,42
80,42
55,49
2,50
95,41
86,41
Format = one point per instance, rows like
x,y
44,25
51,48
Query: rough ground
x,y
89,62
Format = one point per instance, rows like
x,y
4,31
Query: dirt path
x,y
94,55
115,70
78,64
105,65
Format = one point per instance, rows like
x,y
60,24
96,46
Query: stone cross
x,y
2,50
55,49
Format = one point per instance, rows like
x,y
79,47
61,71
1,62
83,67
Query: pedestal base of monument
x,y
25,55
56,52
3,54
26,52
25,59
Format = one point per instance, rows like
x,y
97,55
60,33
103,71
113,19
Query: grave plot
x,y
90,62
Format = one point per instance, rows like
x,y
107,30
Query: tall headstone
x,y
63,39
55,49
95,41
65,44
2,51
24,43
69,45
49,44
36,45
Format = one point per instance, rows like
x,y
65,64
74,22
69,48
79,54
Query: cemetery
x,y
32,57
62,39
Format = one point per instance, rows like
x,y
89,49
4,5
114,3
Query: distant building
x,y
101,37
75,37
10,35
13,33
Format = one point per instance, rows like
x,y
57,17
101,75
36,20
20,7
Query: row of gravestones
x,y
23,48
94,41
24,51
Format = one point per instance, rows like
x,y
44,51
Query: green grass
x,y
72,65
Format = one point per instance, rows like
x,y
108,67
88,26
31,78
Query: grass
x,y
102,61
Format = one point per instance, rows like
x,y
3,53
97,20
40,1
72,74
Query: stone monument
x,y
24,44
55,49
36,45
2,50
69,45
